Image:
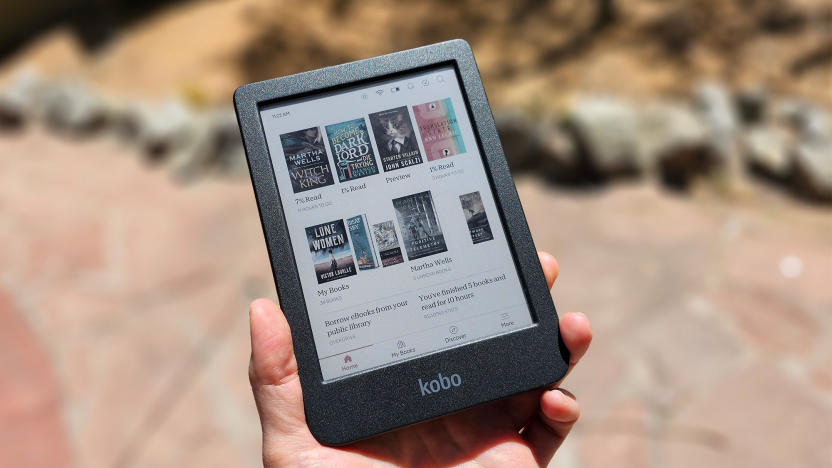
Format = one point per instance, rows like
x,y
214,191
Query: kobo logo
x,y
440,383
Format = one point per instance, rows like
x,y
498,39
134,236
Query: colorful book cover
x,y
439,129
395,139
351,150
388,243
330,251
475,217
420,227
306,159
365,255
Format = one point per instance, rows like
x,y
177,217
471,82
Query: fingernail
x,y
558,394
566,393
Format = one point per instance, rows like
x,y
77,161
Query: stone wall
x,y
715,138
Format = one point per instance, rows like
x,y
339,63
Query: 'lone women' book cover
x,y
388,243
439,129
306,159
475,217
420,227
395,139
330,251
365,255
351,150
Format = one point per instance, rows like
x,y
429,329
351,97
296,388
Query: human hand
x,y
523,430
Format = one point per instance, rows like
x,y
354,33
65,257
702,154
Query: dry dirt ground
x,y
532,54
124,334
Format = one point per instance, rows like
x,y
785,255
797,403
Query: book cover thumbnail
x,y
388,243
306,159
365,255
395,139
330,250
420,227
439,129
351,150
475,217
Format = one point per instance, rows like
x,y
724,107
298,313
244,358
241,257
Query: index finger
x,y
550,267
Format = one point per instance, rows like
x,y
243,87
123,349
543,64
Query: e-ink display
x,y
395,139
351,150
420,226
475,217
384,234
306,159
400,246
331,254
439,129
365,254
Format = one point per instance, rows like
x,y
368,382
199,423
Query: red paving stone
x,y
33,433
125,342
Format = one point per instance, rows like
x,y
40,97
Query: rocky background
x,y
675,156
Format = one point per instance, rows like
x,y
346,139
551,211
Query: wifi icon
x,y
379,91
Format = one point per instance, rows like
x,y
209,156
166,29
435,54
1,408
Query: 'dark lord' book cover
x,y
421,232
365,254
475,216
439,129
351,150
395,139
388,243
330,250
306,159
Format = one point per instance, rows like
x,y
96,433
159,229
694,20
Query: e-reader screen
x,y
399,244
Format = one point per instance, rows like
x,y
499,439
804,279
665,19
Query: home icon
x,y
347,358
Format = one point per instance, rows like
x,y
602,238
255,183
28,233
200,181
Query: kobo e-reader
x,y
400,252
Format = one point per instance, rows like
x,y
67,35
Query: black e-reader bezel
x,y
366,404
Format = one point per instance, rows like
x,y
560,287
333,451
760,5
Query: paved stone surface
x,y
32,433
124,342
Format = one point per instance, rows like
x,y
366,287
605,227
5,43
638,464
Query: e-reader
x,y
402,258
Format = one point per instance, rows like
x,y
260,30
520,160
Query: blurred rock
x,y
717,110
558,157
213,143
542,146
621,139
714,102
18,99
813,168
666,129
12,113
73,108
605,131
521,143
672,140
230,155
814,123
163,131
805,119
126,118
751,104
191,157
768,151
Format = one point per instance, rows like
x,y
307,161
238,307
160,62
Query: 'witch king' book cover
x,y
439,129
365,255
306,159
388,243
330,251
420,227
475,217
351,150
395,139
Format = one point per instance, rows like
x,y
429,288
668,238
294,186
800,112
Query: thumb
x,y
273,372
